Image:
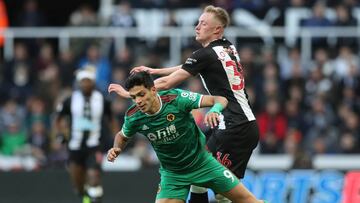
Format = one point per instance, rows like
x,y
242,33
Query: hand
x,y
113,153
118,89
212,119
143,68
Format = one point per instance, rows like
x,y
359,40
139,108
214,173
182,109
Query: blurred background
x,y
301,59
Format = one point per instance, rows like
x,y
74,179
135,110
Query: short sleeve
x,y
196,62
128,130
188,100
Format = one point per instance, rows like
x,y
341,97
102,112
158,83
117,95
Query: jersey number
x,y
229,175
237,73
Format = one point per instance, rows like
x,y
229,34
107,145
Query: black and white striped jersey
x,y
220,70
86,118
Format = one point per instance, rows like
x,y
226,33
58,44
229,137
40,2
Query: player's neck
x,y
156,106
205,44
87,93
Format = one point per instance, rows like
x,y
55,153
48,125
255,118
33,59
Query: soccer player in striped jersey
x,y
88,111
218,65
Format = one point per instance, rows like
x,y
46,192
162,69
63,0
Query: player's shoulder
x,y
132,111
202,52
220,42
168,96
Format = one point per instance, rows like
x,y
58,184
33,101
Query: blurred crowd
x,y
303,108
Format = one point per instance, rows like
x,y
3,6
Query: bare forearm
x,y
166,71
210,101
162,83
120,141
172,80
221,100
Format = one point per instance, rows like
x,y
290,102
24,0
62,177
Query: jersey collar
x,y
217,41
161,104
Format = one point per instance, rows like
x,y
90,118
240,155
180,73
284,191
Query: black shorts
x,y
233,147
86,157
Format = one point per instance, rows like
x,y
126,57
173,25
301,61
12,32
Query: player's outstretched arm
x,y
217,104
170,81
120,142
156,71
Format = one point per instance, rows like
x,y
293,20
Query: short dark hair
x,y
138,79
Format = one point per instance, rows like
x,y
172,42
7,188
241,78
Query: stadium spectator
x,y
84,16
251,69
293,60
324,62
124,58
292,142
13,139
296,79
345,19
101,64
45,58
344,61
37,111
317,85
295,117
12,112
38,140
66,64
272,127
348,143
318,19
123,16
38,126
322,133
302,160
30,16
12,128
268,84
19,75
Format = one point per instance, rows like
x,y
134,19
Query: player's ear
x,y
153,89
218,29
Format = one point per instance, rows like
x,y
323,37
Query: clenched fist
x,y
113,153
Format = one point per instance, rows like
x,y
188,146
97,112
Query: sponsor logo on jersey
x,y
190,61
145,127
163,135
170,117
190,95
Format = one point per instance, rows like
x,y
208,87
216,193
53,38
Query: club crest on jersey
x,y
170,117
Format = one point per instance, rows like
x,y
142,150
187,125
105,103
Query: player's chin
x,y
143,110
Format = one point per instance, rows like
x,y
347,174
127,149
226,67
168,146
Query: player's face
x,y
206,28
87,86
144,98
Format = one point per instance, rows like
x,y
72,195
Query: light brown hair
x,y
220,14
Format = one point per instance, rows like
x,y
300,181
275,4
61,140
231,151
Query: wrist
x,y
216,108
